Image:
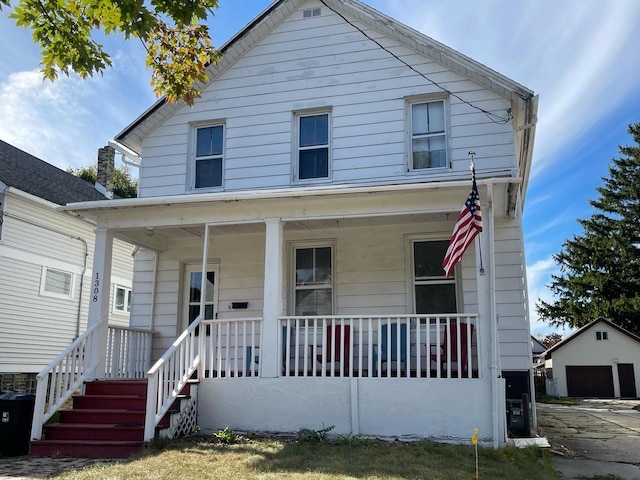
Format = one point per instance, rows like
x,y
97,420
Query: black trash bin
x,y
16,413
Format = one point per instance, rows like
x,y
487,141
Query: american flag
x,y
467,227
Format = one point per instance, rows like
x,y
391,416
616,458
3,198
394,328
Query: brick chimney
x,y
104,175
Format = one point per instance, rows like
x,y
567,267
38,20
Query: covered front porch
x,y
297,310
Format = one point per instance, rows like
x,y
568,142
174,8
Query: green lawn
x,y
350,458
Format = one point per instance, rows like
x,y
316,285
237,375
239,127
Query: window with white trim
x,y
313,280
428,135
56,283
313,146
433,292
121,299
209,156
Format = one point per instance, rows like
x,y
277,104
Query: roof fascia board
x,y
133,134
275,193
581,330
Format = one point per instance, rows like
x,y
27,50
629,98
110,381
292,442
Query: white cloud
x,y
65,122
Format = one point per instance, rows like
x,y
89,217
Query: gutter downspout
x,y
84,266
495,372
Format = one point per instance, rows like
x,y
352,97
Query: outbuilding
x,y
599,360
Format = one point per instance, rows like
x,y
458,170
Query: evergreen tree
x,y
600,269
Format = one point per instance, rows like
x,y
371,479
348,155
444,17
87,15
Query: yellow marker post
x,y
474,441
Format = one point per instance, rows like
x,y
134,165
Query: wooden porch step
x,y
121,402
85,448
103,416
104,431
116,387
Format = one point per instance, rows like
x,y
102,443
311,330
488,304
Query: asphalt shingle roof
x,y
25,172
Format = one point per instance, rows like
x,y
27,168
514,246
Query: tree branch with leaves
x,y
174,34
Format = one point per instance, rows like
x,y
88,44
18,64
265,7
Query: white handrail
x,y
169,375
59,380
63,376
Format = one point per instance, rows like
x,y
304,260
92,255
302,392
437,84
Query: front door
x,y
627,380
192,293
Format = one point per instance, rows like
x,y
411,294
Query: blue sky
x,y
580,56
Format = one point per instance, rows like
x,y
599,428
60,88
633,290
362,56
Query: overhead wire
x,y
495,118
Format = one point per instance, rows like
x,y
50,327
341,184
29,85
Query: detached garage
x,y
600,360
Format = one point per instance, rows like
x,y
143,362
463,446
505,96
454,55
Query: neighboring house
x,y
600,360
45,266
318,180
537,351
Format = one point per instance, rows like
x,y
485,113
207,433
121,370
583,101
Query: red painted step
x,y
126,402
85,448
106,422
105,431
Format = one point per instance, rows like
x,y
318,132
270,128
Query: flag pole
x,y
472,154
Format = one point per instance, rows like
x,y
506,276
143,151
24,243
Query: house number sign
x,y
96,287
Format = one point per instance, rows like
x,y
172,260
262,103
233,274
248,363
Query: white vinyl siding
x,y
315,63
36,335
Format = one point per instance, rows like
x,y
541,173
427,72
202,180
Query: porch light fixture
x,y
149,231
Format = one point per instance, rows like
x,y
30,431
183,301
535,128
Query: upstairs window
x,y
428,135
209,156
433,291
600,336
313,146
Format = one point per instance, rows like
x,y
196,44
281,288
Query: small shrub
x,y
313,436
227,436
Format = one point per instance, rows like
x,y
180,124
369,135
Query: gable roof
x,y
537,347
279,10
23,171
598,321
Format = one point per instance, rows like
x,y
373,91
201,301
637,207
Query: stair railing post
x,y
151,407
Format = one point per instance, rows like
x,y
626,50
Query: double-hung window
x,y
209,153
313,146
433,291
428,135
313,280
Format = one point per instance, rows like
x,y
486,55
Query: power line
x,y
490,115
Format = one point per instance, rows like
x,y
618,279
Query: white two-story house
x,y
316,183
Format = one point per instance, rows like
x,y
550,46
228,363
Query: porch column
x,y
99,301
273,303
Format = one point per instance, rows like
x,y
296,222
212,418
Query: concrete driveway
x,y
597,437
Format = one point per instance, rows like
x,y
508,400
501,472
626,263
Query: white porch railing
x,y
169,375
214,348
128,353
421,346
231,348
